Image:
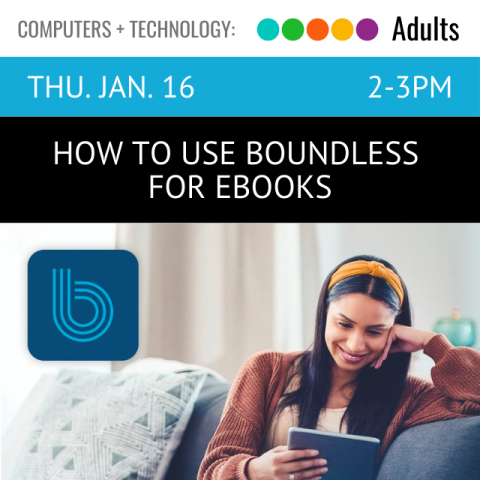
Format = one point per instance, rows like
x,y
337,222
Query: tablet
x,y
349,457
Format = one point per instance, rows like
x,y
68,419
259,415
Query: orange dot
x,y
317,29
342,29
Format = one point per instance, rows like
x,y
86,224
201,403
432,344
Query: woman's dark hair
x,y
378,391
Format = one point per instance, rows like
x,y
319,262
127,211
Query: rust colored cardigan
x,y
249,407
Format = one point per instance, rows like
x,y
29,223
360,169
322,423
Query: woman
x,y
354,379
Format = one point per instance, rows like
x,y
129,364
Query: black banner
x,y
286,169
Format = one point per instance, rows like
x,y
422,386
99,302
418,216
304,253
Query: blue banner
x,y
240,86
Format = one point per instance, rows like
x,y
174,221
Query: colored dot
x,y
367,29
268,29
293,29
317,29
342,29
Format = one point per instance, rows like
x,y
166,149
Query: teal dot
x,y
268,29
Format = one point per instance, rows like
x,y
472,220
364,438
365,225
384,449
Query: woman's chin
x,y
350,366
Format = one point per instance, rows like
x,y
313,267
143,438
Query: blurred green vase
x,y
460,331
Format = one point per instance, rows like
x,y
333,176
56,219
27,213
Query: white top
x,y
277,432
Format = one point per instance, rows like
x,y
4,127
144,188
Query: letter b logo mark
x,y
91,292
82,305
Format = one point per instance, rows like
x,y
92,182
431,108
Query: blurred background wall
x,y
213,294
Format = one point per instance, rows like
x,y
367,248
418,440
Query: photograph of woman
x,y
353,379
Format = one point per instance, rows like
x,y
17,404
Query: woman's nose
x,y
356,343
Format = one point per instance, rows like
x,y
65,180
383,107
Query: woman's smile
x,y
350,357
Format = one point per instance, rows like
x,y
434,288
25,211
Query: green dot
x,y
268,29
293,29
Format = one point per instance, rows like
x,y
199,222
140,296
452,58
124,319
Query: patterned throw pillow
x,y
115,426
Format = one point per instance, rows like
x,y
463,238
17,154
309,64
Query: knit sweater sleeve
x,y
239,435
455,391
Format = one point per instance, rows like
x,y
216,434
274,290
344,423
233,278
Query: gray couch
x,y
448,450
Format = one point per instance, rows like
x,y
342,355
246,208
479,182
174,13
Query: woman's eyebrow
x,y
369,326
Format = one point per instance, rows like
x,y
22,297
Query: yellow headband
x,y
376,269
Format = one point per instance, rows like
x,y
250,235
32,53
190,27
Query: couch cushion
x,y
123,426
444,450
19,429
203,423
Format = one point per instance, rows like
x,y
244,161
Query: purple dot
x,y
367,29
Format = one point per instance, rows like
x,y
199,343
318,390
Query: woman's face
x,y
357,329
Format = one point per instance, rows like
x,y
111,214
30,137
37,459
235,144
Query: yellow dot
x,y
342,29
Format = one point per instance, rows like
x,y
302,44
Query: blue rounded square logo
x,y
83,305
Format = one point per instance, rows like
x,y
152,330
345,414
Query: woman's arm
x,y
233,453
455,391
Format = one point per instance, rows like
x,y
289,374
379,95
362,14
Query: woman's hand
x,y
403,339
279,463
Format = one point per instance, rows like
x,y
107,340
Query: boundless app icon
x,y
83,305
